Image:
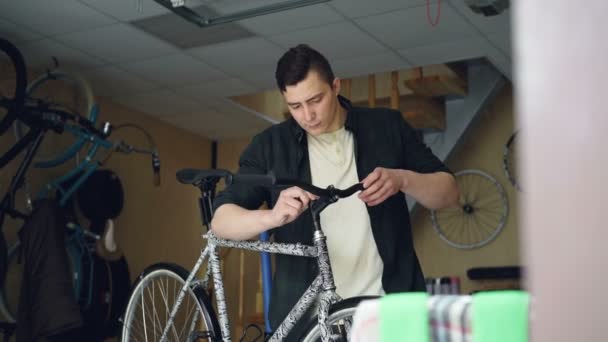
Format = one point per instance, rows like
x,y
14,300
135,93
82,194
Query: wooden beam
x,y
459,68
438,85
346,88
421,112
395,90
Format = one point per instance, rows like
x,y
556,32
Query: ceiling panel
x,y
502,41
261,76
339,40
410,28
227,87
492,24
218,125
292,20
117,43
237,122
501,62
111,81
167,78
127,10
173,70
363,8
231,6
185,35
237,55
53,17
364,65
235,109
161,103
451,51
15,33
39,54
198,124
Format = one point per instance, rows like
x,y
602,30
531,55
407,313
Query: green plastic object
x,y
404,317
500,316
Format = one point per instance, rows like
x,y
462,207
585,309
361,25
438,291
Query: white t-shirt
x,y
353,253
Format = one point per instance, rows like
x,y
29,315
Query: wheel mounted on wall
x,y
510,159
480,216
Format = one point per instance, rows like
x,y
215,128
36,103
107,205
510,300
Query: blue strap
x,y
266,282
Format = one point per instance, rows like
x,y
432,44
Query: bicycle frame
x,y
85,168
322,287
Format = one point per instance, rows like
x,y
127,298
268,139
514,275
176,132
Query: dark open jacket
x,y
382,139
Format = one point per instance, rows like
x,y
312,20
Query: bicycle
x,y
79,242
39,115
181,295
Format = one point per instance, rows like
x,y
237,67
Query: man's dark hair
x,y
295,64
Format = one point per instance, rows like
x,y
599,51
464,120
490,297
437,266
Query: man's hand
x,y
291,203
381,184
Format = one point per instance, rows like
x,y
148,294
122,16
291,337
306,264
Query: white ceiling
x,y
189,88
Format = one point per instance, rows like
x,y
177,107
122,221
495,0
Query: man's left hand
x,y
381,184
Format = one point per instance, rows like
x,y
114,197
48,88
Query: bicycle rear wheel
x,y
13,78
152,300
340,321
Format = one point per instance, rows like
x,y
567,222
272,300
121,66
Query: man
x,y
328,141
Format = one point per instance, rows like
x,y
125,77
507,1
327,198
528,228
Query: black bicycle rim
x,y
18,101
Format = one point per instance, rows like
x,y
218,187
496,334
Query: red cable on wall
x,y
428,13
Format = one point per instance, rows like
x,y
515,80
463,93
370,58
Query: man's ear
x,y
336,85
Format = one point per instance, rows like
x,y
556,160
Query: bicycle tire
x,y
8,305
337,312
465,227
509,161
17,102
90,109
147,281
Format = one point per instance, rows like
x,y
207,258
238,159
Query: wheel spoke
x,y
480,229
481,216
158,292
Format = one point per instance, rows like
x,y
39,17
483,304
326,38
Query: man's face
x,y
313,103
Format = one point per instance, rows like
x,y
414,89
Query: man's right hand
x,y
291,203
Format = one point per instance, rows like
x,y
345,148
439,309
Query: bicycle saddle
x,y
194,176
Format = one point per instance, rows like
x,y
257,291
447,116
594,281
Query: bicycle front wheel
x,y
12,95
61,91
340,321
151,302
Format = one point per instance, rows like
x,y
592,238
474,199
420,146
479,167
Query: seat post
x,y
207,188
